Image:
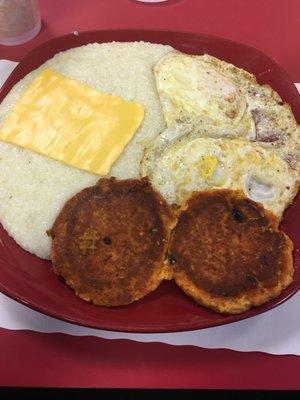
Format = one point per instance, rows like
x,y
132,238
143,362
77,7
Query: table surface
x,y
59,360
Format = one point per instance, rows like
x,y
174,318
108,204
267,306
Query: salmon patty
x,y
228,253
110,240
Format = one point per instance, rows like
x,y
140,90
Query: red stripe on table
x,y
59,360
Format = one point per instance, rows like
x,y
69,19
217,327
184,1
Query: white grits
x,y
33,188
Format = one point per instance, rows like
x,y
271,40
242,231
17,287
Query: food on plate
x,y
109,241
180,162
227,252
225,100
215,151
193,91
70,122
34,188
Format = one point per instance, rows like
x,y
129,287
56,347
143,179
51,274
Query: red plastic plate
x,y
30,280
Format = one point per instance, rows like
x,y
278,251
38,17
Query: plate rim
x,y
184,327
133,327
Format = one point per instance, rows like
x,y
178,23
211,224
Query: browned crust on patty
x,y
228,253
109,241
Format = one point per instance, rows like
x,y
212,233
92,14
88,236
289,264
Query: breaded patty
x,y
110,240
228,253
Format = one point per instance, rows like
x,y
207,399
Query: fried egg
x,y
224,101
179,163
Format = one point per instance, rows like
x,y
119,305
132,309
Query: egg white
x,y
179,164
216,96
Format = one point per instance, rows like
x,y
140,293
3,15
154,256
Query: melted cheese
x,y
63,119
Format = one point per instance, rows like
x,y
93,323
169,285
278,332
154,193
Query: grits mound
x,y
33,188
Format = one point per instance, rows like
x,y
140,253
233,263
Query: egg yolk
x,y
207,166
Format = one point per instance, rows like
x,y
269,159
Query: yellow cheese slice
x,y
66,120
